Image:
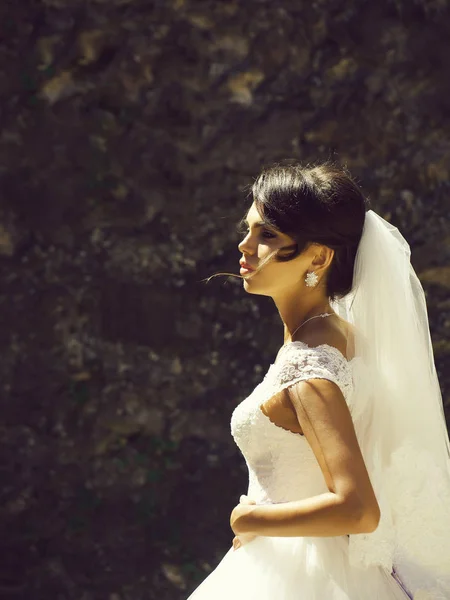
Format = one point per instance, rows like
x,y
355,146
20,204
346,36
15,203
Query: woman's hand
x,y
243,538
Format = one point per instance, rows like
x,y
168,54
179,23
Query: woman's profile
x,y
344,438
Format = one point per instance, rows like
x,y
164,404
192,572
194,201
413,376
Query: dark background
x,y
128,132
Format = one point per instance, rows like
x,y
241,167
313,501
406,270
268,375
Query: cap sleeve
x,y
298,362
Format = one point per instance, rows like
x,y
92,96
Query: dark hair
x,y
315,203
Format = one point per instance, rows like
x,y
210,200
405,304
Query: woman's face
x,y
275,278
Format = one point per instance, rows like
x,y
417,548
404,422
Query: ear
x,y
323,257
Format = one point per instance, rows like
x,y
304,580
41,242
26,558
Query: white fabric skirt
x,y
300,568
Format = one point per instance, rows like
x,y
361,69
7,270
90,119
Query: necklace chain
x,y
315,317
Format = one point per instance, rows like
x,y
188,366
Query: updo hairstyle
x,y
319,203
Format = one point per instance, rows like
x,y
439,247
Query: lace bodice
x,y
281,464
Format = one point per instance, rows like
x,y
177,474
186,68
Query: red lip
x,y
245,265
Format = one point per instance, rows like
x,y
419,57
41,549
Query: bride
x,y
344,439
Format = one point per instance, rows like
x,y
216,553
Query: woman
x,y
344,439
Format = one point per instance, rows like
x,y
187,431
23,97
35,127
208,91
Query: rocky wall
x,y
129,132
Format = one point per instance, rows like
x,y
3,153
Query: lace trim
x,y
297,362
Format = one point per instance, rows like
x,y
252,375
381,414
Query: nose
x,y
245,247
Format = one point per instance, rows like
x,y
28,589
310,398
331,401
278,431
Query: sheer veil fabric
x,y
399,416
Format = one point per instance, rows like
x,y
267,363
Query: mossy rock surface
x,y
129,132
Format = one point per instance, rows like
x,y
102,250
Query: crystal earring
x,y
311,279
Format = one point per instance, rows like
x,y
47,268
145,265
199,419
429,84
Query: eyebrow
x,y
256,225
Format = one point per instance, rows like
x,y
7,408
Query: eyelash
x,y
266,234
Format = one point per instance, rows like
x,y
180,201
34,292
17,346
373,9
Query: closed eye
x,y
264,233
267,234
243,228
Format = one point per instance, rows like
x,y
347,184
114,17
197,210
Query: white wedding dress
x,y
282,468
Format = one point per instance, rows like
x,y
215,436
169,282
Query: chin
x,y
252,289
248,286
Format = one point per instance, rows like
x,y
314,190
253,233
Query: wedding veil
x,y
398,415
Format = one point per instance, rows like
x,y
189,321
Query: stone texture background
x,y
129,132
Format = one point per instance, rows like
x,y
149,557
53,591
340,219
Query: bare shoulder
x,y
332,331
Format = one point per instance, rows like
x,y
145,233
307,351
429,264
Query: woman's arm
x,y
350,506
324,515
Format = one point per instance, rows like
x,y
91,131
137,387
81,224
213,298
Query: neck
x,y
295,310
